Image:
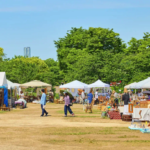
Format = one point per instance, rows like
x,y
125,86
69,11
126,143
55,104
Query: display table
x,y
121,109
142,114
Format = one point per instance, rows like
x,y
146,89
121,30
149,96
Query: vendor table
x,y
121,109
142,114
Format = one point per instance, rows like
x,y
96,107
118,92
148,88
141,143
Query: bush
x,y
56,95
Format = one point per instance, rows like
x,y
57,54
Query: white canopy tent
x,y
146,85
140,84
3,81
75,85
130,85
98,83
18,87
12,85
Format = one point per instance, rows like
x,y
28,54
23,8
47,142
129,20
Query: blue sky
x,y
37,23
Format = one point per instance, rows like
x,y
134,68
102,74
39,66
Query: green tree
x,y
136,67
1,54
20,69
92,41
137,46
90,67
54,75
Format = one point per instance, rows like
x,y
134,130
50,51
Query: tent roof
x,y
140,84
98,83
130,85
11,84
35,83
146,85
3,81
74,84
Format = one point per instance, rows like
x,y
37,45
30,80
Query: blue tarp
x,y
5,95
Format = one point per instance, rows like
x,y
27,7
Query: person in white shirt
x,y
96,97
83,96
21,95
22,99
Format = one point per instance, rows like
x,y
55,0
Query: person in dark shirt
x,y
126,99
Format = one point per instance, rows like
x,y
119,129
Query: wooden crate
x,y
144,104
126,118
130,108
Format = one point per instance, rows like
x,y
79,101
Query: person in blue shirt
x,y
43,103
90,97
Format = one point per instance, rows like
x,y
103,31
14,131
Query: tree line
x,y
85,55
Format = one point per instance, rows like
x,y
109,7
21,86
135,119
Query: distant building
x,y
27,52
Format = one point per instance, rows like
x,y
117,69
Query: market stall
x,y
140,85
139,102
35,84
131,86
74,86
100,84
101,89
13,91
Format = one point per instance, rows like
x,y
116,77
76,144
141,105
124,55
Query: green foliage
x,y
56,96
54,75
21,70
93,41
97,53
137,46
1,54
85,55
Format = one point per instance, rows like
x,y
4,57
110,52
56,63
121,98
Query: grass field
x,y
25,129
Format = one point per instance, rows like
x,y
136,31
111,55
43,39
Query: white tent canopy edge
x,y
3,81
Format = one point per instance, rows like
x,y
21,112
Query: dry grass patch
x,y
23,129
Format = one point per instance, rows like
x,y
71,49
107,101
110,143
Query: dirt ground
x,y
22,129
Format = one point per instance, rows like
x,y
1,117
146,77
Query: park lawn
x,y
25,129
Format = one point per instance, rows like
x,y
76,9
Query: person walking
x,y
96,97
67,105
83,96
43,103
90,97
126,99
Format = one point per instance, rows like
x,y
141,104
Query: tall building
x,y
27,52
